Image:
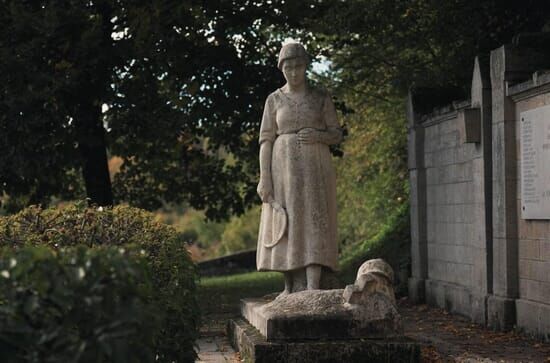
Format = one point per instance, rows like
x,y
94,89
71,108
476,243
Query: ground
x,y
444,337
451,338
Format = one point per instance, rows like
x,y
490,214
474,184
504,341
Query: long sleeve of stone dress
x,y
268,133
333,135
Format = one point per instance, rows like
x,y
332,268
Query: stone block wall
x,y
472,251
454,213
533,303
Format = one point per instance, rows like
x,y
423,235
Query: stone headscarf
x,y
292,50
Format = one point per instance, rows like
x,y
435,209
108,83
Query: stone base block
x,y
417,291
254,347
457,299
501,313
322,314
533,318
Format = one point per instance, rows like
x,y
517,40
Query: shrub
x,y
76,305
392,243
173,273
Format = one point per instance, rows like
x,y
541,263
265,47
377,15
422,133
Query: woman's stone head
x,y
293,62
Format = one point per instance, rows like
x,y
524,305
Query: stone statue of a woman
x,y
297,180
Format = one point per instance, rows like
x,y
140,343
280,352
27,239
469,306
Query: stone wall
x,y
533,305
238,262
472,252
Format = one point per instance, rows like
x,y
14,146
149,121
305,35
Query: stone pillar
x,y
417,178
483,258
505,66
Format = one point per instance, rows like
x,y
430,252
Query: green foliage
x,y
76,305
173,272
240,233
372,174
391,242
217,238
418,43
183,82
208,233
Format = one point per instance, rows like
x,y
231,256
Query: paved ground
x,y
444,337
216,349
213,344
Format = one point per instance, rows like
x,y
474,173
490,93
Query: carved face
x,y
294,70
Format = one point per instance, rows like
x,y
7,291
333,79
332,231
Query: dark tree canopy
x,y
380,47
182,82
176,88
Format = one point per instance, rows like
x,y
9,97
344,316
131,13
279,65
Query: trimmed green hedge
x,y
174,275
76,305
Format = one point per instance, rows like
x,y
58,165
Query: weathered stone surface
x,y
417,290
456,299
501,313
533,318
467,200
322,314
373,277
254,347
297,179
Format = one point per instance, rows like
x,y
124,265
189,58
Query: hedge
x,y
76,305
173,273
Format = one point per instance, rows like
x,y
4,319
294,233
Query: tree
x,y
55,61
183,84
377,50
380,47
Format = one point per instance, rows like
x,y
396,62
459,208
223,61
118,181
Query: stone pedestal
x,y
319,326
322,314
254,347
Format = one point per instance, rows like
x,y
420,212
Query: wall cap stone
x,y
538,84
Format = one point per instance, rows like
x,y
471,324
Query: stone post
x,y
483,259
417,178
505,67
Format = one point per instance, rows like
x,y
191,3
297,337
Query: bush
x,y
173,273
392,243
76,305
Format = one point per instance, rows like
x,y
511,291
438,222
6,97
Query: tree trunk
x,y
93,150
91,133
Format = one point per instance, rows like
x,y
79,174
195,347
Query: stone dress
x,y
304,183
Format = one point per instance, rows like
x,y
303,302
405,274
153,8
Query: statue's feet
x,y
283,294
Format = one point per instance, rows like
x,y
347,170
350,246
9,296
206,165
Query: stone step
x,y
254,348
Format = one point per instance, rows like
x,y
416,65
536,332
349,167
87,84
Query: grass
x,y
222,294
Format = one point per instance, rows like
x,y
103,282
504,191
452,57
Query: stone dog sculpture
x,y
297,180
373,277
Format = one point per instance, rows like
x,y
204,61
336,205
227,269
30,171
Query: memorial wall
x,y
480,194
532,106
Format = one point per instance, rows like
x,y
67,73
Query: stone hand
x,y
309,136
265,189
